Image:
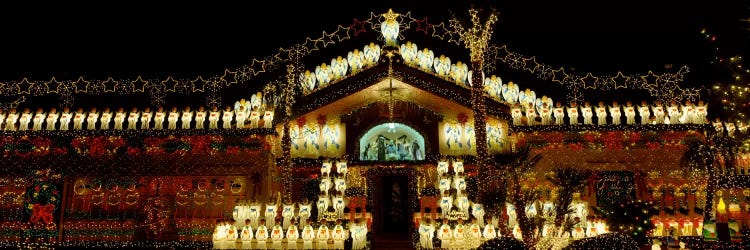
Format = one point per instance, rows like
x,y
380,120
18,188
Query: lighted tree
x,y
569,181
700,156
515,167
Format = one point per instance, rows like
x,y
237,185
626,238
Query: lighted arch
x,y
408,144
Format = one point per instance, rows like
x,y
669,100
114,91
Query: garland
x,y
40,201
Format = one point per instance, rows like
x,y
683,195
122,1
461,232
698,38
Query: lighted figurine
x,y
11,119
65,118
339,235
292,235
322,204
616,113
718,126
308,235
159,117
105,119
25,119
527,98
323,235
644,112
341,168
253,213
305,209
277,235
701,111
459,183
444,183
172,118
546,114
271,211
445,234
339,203
587,113
146,116
510,92
38,119
119,118
93,116
446,203
340,184
133,118
200,117
247,235
426,233
573,113
78,118
186,118
530,115
231,234
459,234
213,118
261,235
673,110
254,117
474,234
325,184
219,235
516,114
559,114
729,126
442,168
240,116
52,117
688,113
629,113
511,212
458,167
658,112
325,169
489,231
463,204
477,210
2,119
287,212
227,117
601,114
268,118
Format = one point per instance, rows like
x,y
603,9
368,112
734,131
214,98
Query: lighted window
x,y
391,142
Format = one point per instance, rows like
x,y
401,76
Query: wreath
x,y
40,201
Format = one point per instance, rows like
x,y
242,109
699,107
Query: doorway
x,y
394,202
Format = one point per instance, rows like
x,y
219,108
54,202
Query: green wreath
x,y
42,193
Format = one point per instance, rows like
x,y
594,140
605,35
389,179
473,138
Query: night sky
x,y
203,39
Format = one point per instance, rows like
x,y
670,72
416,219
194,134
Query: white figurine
x,y
268,118
200,117
442,168
489,231
292,235
477,210
673,110
91,119
213,118
146,118
322,204
688,113
445,234
462,203
601,114
658,110
119,118
559,114
546,114
339,204
172,118
359,234
65,118
308,235
305,209
187,118
323,235
226,119
340,184
339,235
11,119
277,235
23,122
261,235
573,113
270,213
459,234
587,113
616,113
446,203
2,118
516,114
78,118
253,213
701,111
458,167
159,117
39,119
52,117
341,168
241,116
287,213
644,112
530,115
426,233
105,118
629,113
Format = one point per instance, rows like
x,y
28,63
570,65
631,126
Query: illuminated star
x,y
53,85
109,85
229,77
649,81
198,84
24,87
620,81
558,75
358,27
139,85
81,85
170,85
589,81
423,25
530,61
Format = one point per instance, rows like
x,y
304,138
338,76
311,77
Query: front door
x,y
394,202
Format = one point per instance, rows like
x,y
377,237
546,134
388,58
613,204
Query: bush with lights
x,y
631,218
502,243
608,241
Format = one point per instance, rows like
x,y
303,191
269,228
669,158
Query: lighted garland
x,y
41,200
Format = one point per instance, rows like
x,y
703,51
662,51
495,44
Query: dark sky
x,y
203,39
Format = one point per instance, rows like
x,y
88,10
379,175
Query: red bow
x,y
43,212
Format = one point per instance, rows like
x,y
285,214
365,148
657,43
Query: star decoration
x,y
53,85
24,87
198,84
589,81
558,75
439,31
81,85
358,27
649,81
229,77
530,61
620,80
110,85
423,25
139,85
170,85
390,15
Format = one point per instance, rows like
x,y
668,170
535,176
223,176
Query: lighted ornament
x,y
390,28
493,85
442,65
425,58
356,61
409,53
372,53
459,73
339,67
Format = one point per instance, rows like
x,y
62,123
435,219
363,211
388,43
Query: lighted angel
x,y
268,117
442,65
701,111
629,110
119,118
356,60
688,113
459,73
78,118
673,110
372,53
187,117
51,119
389,28
339,67
38,119
516,114
658,110
132,119
530,114
573,113
146,118
544,108
159,117
341,168
644,112
323,73
493,86
200,117
409,53
308,80
331,135
494,137
173,117
425,58
510,92
311,134
615,111
12,118
105,118
527,98
93,116
452,134
294,135
468,134
601,114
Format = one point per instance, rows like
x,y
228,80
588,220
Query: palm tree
x,y
700,156
569,181
514,166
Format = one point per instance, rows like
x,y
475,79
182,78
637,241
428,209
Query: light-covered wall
x,y
311,139
457,136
